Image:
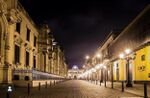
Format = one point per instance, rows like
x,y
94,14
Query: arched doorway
x,y
75,77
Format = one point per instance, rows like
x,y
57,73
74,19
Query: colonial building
x,y
59,61
125,55
26,51
74,73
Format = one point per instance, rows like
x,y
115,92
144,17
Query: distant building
x,y
74,72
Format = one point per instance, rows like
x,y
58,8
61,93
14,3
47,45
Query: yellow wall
x,y
142,68
114,71
122,70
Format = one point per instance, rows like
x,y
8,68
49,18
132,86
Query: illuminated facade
x,y
74,72
131,67
60,67
26,51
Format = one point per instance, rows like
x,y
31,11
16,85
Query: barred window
x,y
34,61
17,54
35,41
27,58
143,58
18,25
28,34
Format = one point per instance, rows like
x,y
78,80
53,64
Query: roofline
x,y
134,20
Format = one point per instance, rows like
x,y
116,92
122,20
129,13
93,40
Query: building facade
x,y
125,55
74,72
26,51
59,61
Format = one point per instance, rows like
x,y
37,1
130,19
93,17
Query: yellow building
x,y
74,73
126,54
59,65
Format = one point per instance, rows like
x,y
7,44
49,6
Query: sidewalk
x,y
137,89
22,92
71,89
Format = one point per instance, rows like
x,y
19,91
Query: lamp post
x,y
128,84
112,77
105,74
121,56
101,74
98,56
127,58
87,57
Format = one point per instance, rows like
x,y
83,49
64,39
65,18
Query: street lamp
x,y
121,56
98,55
101,80
87,57
129,84
127,58
105,73
127,51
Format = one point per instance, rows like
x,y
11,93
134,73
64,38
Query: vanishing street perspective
x,y
74,49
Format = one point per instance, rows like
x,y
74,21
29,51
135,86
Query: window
x,y
18,27
26,78
17,54
27,58
34,61
44,61
28,34
34,41
143,58
16,77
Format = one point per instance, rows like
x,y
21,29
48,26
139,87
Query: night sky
x,y
80,27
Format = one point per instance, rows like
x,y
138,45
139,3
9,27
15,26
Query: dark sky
x,y
80,27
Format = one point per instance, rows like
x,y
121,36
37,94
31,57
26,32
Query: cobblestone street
x,y
77,89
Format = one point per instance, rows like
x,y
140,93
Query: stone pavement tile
x,y
137,89
74,89
80,89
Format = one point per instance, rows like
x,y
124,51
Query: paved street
x,y
73,89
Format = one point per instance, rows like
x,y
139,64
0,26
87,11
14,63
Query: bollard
x,y
39,86
100,83
46,84
28,88
122,86
105,83
54,82
7,95
145,90
50,83
112,84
